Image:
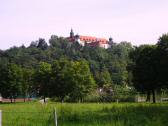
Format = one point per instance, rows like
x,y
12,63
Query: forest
x,y
67,71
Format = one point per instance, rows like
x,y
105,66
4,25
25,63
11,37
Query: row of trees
x,y
62,78
65,78
150,67
14,81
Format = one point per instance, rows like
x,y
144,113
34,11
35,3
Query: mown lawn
x,y
92,114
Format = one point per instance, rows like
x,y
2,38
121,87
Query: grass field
x,y
87,114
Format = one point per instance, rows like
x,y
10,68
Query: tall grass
x,y
114,114
26,114
93,114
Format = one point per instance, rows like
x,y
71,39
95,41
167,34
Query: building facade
x,y
89,40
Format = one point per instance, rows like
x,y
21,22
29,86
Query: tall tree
x,y
61,86
42,44
42,77
10,82
27,83
145,71
103,78
163,60
81,80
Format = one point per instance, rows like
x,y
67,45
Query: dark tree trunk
x,y
148,96
44,99
11,100
24,98
62,99
154,98
80,100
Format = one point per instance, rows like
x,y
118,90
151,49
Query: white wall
x,y
80,42
106,46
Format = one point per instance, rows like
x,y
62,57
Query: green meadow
x,y
85,114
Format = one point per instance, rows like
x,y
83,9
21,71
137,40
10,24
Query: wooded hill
x,y
70,71
107,66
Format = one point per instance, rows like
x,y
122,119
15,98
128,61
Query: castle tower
x,y
110,40
71,33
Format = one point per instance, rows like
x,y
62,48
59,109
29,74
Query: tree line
x,y
67,67
61,78
70,71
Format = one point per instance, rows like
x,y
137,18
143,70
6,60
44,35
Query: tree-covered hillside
x,y
108,67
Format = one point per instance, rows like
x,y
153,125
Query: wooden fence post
x,y
0,118
55,117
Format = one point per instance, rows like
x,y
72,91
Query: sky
x,y
135,21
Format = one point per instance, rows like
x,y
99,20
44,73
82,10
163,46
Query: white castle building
x,y
90,40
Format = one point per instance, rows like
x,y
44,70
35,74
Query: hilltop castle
x,y
89,40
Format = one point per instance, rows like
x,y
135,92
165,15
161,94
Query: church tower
x,y
110,40
71,33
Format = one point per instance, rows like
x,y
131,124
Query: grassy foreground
x,y
122,114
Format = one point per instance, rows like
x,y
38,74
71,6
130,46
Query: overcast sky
x,y
136,21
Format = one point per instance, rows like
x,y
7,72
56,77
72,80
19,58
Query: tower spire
x,y
71,33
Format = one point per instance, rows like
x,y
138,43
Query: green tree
x,y
42,77
27,82
145,71
103,78
42,44
71,78
82,80
163,42
61,77
162,52
10,82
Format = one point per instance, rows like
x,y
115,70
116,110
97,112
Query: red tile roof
x,y
92,39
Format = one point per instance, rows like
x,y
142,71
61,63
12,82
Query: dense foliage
x,y
62,68
149,67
